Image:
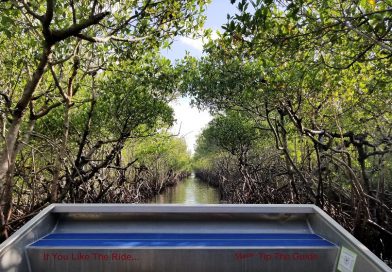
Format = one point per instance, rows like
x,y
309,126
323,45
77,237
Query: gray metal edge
x,y
210,208
15,236
155,208
175,208
354,242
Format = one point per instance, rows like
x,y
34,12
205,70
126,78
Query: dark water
x,y
189,191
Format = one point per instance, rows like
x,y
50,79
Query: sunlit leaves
x,y
164,149
232,132
328,63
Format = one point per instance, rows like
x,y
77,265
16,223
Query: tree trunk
x,y
61,156
6,159
283,133
9,154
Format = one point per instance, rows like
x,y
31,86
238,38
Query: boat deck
x,y
130,240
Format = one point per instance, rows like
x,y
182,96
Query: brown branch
x,y
355,182
121,26
109,38
73,11
389,210
59,35
93,8
45,110
360,55
26,6
57,83
278,142
368,37
7,100
49,13
87,126
125,167
32,84
75,68
382,152
380,228
60,61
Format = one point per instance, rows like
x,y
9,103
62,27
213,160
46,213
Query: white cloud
x,y
194,43
190,121
198,43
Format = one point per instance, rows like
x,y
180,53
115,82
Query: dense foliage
x,y
313,79
80,80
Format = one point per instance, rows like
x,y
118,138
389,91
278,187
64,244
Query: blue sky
x,y
191,121
216,16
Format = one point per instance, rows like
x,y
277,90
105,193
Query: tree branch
x,y
368,37
383,152
31,12
59,35
93,8
49,13
44,111
108,38
73,11
141,13
57,83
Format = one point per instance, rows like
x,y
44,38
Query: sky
x,y
190,121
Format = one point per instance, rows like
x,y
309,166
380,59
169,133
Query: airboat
x,y
143,237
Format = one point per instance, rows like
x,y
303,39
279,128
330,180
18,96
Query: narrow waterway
x,y
189,191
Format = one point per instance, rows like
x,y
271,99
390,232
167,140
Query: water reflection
x,y
189,191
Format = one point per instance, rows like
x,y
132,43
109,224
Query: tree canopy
x,y
79,80
314,78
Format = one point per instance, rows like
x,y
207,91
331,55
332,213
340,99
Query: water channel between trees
x,y
189,191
